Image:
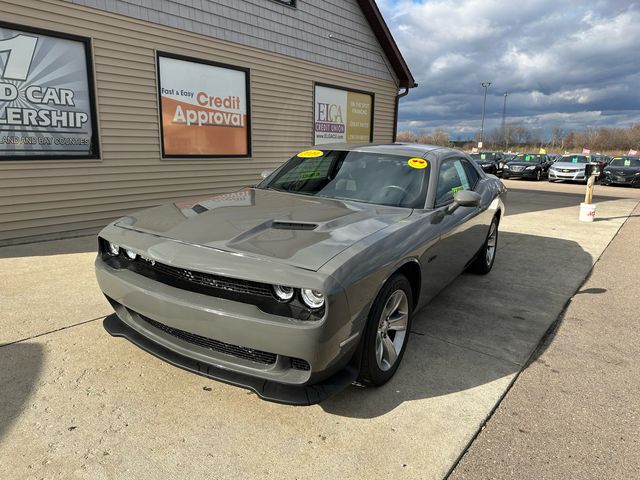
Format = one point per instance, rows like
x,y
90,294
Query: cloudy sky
x,y
564,62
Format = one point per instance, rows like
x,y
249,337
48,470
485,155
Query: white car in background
x,y
570,167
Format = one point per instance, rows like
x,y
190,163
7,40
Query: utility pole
x,y
504,120
486,86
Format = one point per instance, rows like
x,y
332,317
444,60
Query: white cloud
x,y
560,60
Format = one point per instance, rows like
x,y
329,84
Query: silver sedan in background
x,y
309,281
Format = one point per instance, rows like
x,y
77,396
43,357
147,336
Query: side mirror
x,y
464,198
266,173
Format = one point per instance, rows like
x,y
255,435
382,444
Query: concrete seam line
x,y
472,349
52,331
553,327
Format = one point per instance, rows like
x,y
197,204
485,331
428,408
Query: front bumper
x,y
522,174
620,180
161,318
267,390
577,176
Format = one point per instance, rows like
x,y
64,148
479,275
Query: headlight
x,y
531,167
113,249
506,167
130,255
283,293
486,164
312,298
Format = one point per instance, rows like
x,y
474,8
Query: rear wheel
x,y
487,254
387,332
538,175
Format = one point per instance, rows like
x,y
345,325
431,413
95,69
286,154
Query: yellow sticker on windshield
x,y
417,163
310,154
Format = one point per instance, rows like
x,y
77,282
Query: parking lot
x,y
77,403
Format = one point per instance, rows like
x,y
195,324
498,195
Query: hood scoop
x,y
280,225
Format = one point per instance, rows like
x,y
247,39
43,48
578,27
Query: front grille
x,y
250,354
299,364
257,356
517,169
159,271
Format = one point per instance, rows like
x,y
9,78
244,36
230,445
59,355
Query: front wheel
x,y
487,254
387,332
538,175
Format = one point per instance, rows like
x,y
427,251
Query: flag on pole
x,y
586,151
633,152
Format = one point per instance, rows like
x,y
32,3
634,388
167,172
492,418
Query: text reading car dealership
x,y
111,108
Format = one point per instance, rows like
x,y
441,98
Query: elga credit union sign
x,y
204,108
342,116
45,96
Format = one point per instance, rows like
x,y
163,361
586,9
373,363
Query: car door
x,y
461,232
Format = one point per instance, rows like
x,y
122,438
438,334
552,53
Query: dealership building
x,y
107,106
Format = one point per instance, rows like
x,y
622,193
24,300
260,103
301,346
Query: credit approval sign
x,y
204,108
46,97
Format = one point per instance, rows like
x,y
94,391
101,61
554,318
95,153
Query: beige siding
x,y
51,197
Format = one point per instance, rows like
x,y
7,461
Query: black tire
x,y
551,180
538,175
370,372
482,264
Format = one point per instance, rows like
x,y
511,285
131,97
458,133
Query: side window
x,y
451,178
472,174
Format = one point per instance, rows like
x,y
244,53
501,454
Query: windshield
x,y
574,159
625,162
528,157
384,179
484,157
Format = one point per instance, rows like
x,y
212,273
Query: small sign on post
x,y
587,208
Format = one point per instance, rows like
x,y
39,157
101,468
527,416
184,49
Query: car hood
x,y
579,166
302,231
524,164
621,169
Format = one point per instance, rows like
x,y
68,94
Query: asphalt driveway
x,y
76,403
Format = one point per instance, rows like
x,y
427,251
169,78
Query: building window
x,y
342,115
204,108
47,105
289,3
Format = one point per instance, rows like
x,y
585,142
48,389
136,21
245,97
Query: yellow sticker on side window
x,y
417,163
310,154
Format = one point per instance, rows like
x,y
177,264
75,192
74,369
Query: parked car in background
x,y
490,162
601,160
622,171
527,165
570,167
309,281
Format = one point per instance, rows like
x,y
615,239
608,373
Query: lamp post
x,y
504,120
486,86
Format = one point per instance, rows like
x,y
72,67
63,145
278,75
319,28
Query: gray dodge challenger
x,y
307,282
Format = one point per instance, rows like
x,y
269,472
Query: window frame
x,y
287,3
437,205
91,89
185,58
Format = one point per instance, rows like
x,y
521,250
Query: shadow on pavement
x,y
536,200
21,367
480,328
56,247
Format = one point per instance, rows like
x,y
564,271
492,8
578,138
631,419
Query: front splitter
x,y
265,389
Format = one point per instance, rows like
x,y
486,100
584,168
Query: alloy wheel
x,y
492,242
392,329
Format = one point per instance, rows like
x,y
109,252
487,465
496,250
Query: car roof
x,y
406,149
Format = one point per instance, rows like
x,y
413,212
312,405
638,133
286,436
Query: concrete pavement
x,y
575,411
76,403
